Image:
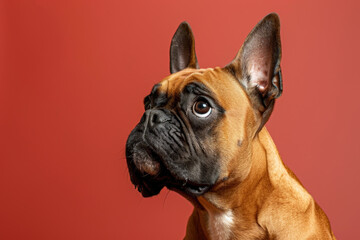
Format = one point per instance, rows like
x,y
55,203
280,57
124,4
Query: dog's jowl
x,y
203,136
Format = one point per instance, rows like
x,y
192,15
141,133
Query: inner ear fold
x,y
182,49
257,64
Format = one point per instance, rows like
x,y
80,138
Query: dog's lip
x,y
149,184
146,161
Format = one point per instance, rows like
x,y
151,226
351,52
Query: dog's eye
x,y
201,108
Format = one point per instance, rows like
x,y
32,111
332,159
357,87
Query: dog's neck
x,y
238,215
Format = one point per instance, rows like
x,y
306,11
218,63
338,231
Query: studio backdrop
x,y
73,75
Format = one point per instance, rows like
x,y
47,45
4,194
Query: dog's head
x,y
198,124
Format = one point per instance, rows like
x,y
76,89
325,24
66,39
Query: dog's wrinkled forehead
x,y
218,83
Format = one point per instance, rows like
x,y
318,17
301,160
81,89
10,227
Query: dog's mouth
x,y
149,175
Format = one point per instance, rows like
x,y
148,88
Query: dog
x,y
203,135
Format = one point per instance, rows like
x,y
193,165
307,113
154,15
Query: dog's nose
x,y
157,116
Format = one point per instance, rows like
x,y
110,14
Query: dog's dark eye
x,y
202,108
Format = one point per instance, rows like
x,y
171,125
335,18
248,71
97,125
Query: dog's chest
x,y
220,225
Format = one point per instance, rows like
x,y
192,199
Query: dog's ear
x,y
182,49
257,65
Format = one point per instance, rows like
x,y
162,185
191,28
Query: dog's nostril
x,y
158,116
154,118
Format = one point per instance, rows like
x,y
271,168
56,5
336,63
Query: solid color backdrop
x,y
72,78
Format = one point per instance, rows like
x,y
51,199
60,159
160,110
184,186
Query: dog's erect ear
x,y
182,49
257,65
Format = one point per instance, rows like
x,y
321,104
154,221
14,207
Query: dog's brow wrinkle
x,y
198,88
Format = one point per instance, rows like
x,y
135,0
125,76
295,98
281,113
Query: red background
x,y
72,78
